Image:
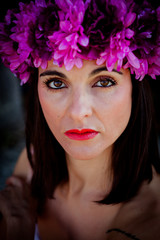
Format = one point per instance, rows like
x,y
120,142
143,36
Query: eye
x,y
55,84
104,82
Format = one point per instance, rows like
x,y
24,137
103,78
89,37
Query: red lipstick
x,y
81,135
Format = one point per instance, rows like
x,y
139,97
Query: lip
x,y
81,134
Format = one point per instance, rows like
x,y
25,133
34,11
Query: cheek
x,y
50,109
117,113
121,114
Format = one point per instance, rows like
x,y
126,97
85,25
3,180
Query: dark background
x,y
12,112
11,122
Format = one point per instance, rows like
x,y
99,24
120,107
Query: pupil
x,y
58,83
104,82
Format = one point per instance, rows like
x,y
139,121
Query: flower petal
x,y
78,62
130,18
100,61
129,33
58,54
37,62
63,45
40,3
133,60
69,65
83,40
24,77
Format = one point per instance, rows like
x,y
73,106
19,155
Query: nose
x,y
80,105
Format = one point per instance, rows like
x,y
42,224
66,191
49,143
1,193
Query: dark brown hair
x,y
134,153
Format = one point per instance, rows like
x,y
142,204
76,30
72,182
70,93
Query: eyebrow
x,y
94,72
101,69
53,72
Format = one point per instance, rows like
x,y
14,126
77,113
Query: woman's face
x,y
86,109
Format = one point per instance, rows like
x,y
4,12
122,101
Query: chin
x,y
88,153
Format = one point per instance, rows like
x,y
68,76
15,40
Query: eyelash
x,y
54,80
101,79
105,79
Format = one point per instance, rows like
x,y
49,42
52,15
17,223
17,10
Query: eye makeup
x,y
55,84
104,82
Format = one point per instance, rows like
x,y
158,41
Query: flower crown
x,y
68,31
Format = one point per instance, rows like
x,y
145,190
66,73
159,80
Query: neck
x,y
89,178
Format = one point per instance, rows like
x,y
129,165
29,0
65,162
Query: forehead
x,y
89,67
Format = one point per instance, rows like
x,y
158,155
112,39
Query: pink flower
x,y
118,50
140,69
67,41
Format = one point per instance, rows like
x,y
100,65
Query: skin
x,y
80,105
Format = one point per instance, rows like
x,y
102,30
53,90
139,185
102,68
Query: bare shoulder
x,y
23,168
140,217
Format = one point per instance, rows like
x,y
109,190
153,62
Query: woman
x,y
90,136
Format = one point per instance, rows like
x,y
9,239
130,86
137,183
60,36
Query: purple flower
x,y
158,13
154,63
142,67
14,34
139,67
117,51
67,41
20,34
146,40
104,19
47,22
145,28
125,33
40,3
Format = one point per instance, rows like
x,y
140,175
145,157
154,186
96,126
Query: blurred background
x,y
12,113
11,123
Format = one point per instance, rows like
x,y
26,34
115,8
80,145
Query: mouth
x,y
81,135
